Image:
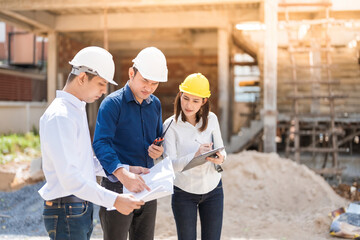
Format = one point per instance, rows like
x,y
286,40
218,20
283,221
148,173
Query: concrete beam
x,y
95,22
348,5
190,41
95,4
340,15
135,45
244,44
40,19
184,35
16,22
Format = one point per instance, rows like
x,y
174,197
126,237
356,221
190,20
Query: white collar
x,y
71,98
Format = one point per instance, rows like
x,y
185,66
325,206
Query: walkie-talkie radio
x,y
159,141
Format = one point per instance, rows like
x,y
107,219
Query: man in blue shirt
x,y
129,120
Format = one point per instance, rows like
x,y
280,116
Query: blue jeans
x,y
70,221
210,205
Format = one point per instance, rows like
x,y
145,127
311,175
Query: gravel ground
x,y
21,212
21,215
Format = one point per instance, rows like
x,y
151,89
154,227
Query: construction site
x,y
284,76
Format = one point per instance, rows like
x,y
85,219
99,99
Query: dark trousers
x,y
140,224
210,206
69,221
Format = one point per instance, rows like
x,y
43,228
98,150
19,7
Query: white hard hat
x,y
151,64
94,60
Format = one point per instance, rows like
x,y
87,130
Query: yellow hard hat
x,y
196,84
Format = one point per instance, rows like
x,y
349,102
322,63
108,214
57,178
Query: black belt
x,y
67,199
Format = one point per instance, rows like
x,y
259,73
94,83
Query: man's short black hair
x,y
72,76
135,70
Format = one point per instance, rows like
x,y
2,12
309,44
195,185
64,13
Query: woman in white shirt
x,y
195,131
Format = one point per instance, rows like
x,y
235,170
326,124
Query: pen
x,y
199,142
218,168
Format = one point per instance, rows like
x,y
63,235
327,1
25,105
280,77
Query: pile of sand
x,y
267,197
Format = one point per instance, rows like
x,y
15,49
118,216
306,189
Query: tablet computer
x,y
201,159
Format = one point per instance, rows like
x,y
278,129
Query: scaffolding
x,y
320,128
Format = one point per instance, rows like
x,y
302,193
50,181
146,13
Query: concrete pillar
x,y
315,60
27,109
270,75
223,82
52,66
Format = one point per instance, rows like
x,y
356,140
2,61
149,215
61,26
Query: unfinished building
x,y
284,74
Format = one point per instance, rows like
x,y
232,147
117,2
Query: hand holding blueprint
x,y
160,180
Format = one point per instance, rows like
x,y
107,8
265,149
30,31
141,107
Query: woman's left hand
x,y
217,160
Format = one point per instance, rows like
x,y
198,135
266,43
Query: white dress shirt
x,y
68,161
181,142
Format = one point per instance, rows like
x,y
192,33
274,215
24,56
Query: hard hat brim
x,y
111,81
148,77
195,94
77,70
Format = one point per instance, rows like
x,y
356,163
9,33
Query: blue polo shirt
x,y
125,129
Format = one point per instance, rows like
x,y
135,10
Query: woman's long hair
x,y
201,114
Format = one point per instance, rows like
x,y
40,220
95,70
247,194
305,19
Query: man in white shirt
x,y
67,156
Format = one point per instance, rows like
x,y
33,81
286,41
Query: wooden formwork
x,y
317,46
